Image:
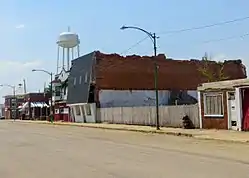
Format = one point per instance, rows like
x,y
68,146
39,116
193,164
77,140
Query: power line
x,y
227,38
198,43
205,26
134,45
196,28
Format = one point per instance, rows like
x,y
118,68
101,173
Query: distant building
x,y
30,105
60,90
11,105
1,110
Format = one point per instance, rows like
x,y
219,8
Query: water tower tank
x,y
68,40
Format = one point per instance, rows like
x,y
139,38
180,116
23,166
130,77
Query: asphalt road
x,y
39,151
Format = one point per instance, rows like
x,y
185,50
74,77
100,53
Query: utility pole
x,y
51,90
156,81
24,86
15,99
153,37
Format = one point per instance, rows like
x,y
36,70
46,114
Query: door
x,y
232,115
245,125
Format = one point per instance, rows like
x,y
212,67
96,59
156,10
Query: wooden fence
x,y
170,116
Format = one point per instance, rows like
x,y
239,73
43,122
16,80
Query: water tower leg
x,y
63,58
68,59
58,57
78,48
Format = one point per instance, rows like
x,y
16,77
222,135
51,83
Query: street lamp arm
x,y
152,36
7,85
137,28
41,70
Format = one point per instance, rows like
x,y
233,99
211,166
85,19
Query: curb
x,y
112,128
199,137
221,140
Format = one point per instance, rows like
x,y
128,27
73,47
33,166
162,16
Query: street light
x,y
14,95
153,37
51,87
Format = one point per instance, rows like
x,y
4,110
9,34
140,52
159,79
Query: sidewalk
x,y
222,135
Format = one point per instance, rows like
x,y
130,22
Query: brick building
x,y
33,105
11,105
111,80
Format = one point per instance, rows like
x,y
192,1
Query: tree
x,y
212,74
47,90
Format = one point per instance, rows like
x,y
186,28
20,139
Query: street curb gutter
x,y
113,128
164,132
195,136
141,131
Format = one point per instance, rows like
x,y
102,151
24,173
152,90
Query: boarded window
x,y
86,77
213,104
77,108
88,109
74,82
80,79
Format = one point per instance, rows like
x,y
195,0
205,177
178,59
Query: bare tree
x,y
210,73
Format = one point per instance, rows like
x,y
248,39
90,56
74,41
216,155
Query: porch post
x,y
74,113
238,100
199,108
82,113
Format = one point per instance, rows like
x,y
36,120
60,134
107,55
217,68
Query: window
x,y
57,91
13,102
74,82
65,90
57,111
13,105
213,104
80,79
231,96
77,109
86,77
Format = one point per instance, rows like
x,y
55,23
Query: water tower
x,y
68,44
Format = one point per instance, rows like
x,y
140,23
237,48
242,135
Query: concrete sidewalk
x,y
222,135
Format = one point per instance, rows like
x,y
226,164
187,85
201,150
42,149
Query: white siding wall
x,y
170,116
87,113
126,98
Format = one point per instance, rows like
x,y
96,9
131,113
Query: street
x,y
37,150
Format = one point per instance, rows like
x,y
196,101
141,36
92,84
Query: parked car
x,y
2,117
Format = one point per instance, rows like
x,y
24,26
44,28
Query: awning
x,y
39,104
33,104
25,105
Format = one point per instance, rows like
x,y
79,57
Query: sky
x,y
29,30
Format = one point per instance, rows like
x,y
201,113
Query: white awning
x,y
25,105
33,104
39,104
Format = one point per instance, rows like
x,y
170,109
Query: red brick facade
x,y
135,72
21,99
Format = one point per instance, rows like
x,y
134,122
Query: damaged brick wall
x,y
137,73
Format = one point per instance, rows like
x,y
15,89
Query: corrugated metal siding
x,y
79,79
